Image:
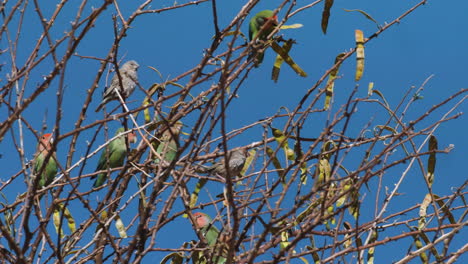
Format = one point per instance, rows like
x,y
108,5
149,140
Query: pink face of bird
x,y
132,137
201,220
46,141
272,21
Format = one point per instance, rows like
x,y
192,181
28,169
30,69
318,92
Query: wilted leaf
x,y
248,161
194,195
370,89
291,26
359,54
348,241
365,14
307,211
67,215
283,142
279,60
120,227
422,211
371,251
175,258
432,160
276,164
280,51
381,127
326,15
233,33
445,209
419,244
331,81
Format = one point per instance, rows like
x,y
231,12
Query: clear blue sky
x,y
430,41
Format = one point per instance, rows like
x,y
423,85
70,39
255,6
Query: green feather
x,y
113,156
255,26
48,173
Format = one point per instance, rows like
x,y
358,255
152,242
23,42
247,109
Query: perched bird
x,y
206,228
168,143
128,73
236,163
260,26
211,234
113,156
50,170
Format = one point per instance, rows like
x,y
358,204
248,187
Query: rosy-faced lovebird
x,y
50,170
260,26
113,155
168,143
128,73
211,234
206,228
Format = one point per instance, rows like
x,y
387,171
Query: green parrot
x,y
169,143
211,234
116,152
263,23
50,170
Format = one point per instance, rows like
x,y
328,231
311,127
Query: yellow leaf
x,y
276,164
291,26
283,142
371,251
280,51
248,161
66,215
370,89
331,81
359,54
279,60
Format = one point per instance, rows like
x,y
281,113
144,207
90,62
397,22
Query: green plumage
x,y
211,234
113,156
169,143
256,26
50,170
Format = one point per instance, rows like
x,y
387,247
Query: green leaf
x,y
326,15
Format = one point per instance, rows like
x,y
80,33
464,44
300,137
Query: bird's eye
x,y
261,20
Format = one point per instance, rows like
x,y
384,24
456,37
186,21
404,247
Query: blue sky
x,y
431,41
